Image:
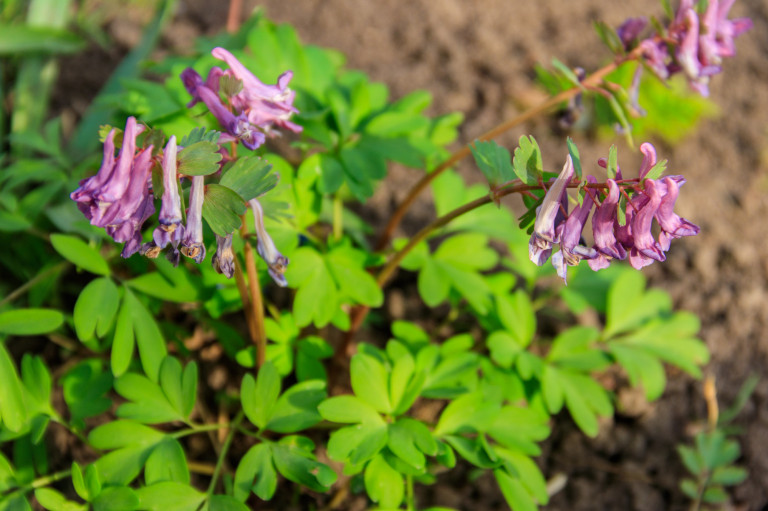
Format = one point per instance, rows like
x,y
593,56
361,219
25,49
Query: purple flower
x,y
549,217
192,243
237,126
672,226
224,259
276,262
170,229
630,30
603,223
641,226
265,105
571,252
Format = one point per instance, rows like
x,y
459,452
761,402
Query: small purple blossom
x,y
571,251
170,229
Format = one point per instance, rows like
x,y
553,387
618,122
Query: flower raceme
x,y
647,200
693,44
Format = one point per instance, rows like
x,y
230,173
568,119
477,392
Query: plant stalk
x,y
224,449
591,81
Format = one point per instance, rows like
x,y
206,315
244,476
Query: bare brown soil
x,y
478,58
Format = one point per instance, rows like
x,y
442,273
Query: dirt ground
x,y
478,58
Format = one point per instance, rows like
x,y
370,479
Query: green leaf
x,y
567,72
259,396
173,285
357,443
348,409
574,152
121,433
84,389
170,495
528,473
384,484
123,341
402,443
18,40
370,382
613,164
225,503
12,409
728,476
117,498
296,466
249,177
76,251
519,318
469,413
55,501
166,463
609,36
494,162
199,134
256,464
352,280
527,163
296,409
222,209
657,170
514,492
30,321
199,159
149,339
95,309
92,481
317,298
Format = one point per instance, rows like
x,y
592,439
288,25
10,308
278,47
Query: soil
x,y
478,58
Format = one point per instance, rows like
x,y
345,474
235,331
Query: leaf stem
x,y
338,219
224,449
40,482
402,209
200,428
32,282
410,499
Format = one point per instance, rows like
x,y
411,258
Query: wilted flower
x,y
276,262
224,259
571,251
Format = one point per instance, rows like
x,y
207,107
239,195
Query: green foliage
x,y
506,351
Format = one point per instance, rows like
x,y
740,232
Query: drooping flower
x,y
549,216
192,242
224,259
672,226
277,263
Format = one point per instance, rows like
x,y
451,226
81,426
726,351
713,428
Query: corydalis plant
x,y
625,210
120,197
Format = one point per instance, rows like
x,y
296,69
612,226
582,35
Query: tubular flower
x,y
276,262
571,252
192,243
650,200
224,259
549,216
170,229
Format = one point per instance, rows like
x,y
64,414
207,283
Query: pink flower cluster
x,y
694,44
651,199
253,112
